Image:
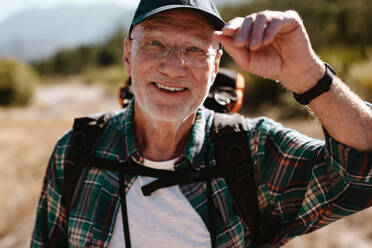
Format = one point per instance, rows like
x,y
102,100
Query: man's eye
x,y
155,43
194,49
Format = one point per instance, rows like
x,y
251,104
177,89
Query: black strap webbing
x,y
232,152
165,178
124,211
85,136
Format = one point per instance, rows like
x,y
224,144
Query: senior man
x,y
172,55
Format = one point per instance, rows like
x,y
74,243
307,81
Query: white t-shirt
x,y
165,219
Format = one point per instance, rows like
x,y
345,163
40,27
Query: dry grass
x,y
27,137
25,147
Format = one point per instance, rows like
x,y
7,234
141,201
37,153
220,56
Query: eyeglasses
x,y
192,55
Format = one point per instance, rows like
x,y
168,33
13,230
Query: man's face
x,y
171,87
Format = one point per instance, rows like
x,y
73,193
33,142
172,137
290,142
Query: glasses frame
x,y
181,51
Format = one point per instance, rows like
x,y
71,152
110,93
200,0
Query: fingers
x,y
256,30
239,54
272,30
233,26
243,32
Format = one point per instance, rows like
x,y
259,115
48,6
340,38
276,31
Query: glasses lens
x,y
191,56
198,58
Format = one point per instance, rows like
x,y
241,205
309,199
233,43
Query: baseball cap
x,y
148,8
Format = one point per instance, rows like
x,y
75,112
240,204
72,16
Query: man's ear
x,y
217,60
127,55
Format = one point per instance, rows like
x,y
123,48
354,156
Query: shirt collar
x,y
196,144
126,132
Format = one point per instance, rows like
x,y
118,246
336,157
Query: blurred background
x,y
63,58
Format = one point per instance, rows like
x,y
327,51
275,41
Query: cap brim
x,y
215,20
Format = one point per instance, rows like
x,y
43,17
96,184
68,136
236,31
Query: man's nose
x,y
173,65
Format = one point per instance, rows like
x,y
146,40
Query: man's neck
x,y
161,140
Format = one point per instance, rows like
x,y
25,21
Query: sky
x,y
11,7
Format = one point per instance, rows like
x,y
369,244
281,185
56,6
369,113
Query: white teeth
x,y
172,89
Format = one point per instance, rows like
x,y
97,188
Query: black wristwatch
x,y
322,86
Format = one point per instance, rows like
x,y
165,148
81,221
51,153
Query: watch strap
x,y
323,85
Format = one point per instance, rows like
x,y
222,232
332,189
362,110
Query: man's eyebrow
x,y
199,41
152,30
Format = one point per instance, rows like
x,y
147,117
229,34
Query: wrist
x,y
310,78
322,86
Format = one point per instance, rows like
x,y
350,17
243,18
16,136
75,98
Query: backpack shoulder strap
x,y
85,137
229,135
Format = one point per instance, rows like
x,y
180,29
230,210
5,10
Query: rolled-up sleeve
x,y
305,184
355,165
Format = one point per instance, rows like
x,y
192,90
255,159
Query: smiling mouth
x,y
168,88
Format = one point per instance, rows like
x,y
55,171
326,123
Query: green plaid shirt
x,y
303,184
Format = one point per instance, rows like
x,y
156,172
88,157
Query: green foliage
x,y
17,82
111,52
342,58
361,76
255,86
112,75
75,61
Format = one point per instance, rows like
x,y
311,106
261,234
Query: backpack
x,y
233,163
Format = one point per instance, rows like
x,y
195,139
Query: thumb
x,y
239,54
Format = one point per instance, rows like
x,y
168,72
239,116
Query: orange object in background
x,y
227,92
234,107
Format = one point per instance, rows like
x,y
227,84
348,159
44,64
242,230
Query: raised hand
x,y
273,45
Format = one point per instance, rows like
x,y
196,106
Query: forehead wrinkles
x,y
153,31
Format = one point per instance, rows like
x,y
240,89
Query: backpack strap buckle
x,y
179,177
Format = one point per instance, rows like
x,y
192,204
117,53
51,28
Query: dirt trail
x,y
64,101
27,137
